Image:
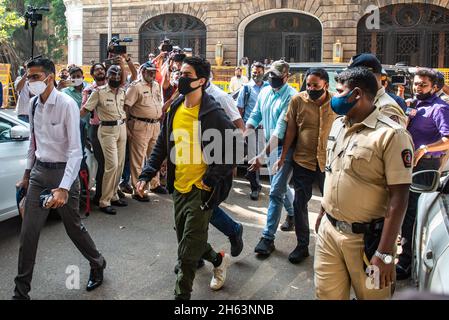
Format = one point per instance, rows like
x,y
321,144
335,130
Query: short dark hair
x,y
46,64
75,69
429,73
179,57
359,77
258,65
319,72
92,69
202,66
440,80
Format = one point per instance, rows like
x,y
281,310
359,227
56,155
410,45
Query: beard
x,y
100,78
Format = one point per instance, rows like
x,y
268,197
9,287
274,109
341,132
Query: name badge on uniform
x,y
331,138
109,100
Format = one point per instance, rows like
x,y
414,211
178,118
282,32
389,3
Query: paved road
x,y
140,247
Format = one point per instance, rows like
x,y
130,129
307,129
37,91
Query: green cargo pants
x,y
192,225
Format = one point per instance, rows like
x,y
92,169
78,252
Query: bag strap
x,y
246,94
33,111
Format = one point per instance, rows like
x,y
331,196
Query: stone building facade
x,y
416,32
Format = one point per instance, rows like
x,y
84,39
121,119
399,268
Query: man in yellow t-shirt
x,y
198,184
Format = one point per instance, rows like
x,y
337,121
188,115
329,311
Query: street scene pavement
x,y
139,244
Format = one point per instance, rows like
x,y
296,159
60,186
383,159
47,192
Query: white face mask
x,y
37,87
78,82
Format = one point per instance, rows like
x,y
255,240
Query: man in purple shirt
x,y
429,127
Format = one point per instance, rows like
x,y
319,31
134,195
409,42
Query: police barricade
x,y
5,79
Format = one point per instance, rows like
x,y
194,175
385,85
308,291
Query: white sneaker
x,y
219,277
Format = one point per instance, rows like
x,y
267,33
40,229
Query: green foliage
x,y
58,41
9,21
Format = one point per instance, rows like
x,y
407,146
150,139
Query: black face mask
x,y
114,83
275,82
315,94
184,87
424,96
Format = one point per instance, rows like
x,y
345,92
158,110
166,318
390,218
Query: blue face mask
x,y
341,106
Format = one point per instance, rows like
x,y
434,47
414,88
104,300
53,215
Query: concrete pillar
x,y
74,15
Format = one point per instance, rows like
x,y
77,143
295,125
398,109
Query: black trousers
x,y
405,258
303,180
98,153
34,220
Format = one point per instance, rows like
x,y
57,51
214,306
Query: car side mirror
x,y
20,133
427,181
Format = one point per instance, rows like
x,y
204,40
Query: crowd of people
x,y
361,144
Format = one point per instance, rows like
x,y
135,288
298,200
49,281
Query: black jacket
x,y
218,176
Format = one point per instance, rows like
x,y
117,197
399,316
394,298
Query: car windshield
x,y
332,82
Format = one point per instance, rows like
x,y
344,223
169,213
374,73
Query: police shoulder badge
x,y
407,157
395,118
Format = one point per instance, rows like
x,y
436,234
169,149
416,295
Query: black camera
x,y
32,17
116,48
167,46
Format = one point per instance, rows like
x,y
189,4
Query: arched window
x,y
294,36
416,34
183,30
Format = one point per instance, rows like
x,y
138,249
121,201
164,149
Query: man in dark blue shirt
x,y
399,100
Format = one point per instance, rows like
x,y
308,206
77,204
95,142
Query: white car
x,y
431,235
14,142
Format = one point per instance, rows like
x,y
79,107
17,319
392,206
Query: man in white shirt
x,y
238,80
23,94
54,159
227,103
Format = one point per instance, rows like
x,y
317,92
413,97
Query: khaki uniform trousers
x,y
142,137
339,264
113,143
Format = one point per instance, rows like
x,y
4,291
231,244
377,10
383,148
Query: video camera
x,y
32,17
115,47
166,45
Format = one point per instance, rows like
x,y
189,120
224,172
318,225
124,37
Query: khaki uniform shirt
x,y
362,161
313,124
143,101
390,108
109,106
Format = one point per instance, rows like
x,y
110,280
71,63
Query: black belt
x,y
52,165
144,119
112,123
356,228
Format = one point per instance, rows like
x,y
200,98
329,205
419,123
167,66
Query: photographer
x,y
63,83
173,64
24,95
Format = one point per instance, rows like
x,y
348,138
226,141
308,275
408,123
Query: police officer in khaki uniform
x,y
386,104
109,103
143,105
368,174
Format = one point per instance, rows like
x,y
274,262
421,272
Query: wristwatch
x,y
386,258
424,147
